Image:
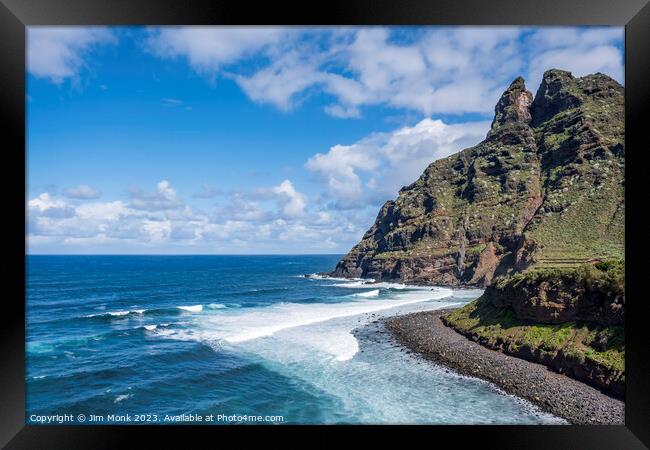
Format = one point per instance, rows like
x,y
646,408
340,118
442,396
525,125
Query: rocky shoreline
x,y
424,334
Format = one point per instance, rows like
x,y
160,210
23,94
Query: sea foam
x,y
254,323
373,293
193,308
116,313
365,284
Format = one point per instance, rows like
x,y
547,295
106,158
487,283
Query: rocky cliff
x,y
569,319
545,188
589,293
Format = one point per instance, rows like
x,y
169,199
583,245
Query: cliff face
x,y
589,293
545,188
570,319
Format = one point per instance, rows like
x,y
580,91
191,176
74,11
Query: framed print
x,y
371,218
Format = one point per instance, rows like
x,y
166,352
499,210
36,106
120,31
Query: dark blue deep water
x,y
235,336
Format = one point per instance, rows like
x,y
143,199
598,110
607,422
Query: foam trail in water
x,y
117,313
318,276
267,321
122,397
245,325
193,308
365,284
373,293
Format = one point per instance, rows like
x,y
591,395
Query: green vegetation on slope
x,y
608,277
592,349
500,329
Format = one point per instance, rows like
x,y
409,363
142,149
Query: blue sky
x,y
260,139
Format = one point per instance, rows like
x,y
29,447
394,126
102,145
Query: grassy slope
x,y
584,184
582,218
500,328
594,344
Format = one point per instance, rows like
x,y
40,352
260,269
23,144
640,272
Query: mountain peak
x,y
555,94
505,204
514,105
557,74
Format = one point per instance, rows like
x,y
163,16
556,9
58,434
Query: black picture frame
x,y
15,15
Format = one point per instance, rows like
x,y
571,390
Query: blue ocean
x,y
235,337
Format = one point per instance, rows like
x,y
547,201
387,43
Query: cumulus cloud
x,y
579,50
264,204
101,221
164,198
82,192
58,53
44,201
340,166
243,206
376,167
145,218
49,216
293,202
208,48
271,219
50,208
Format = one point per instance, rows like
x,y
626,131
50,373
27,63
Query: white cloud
x,y
58,53
553,37
342,111
83,192
109,211
604,58
164,198
157,230
243,207
580,51
281,82
451,70
107,226
45,201
106,222
208,48
340,166
256,221
388,161
366,68
48,216
294,202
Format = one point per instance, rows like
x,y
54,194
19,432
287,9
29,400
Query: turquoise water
x,y
235,336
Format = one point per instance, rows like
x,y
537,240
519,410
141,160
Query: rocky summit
x,y
544,189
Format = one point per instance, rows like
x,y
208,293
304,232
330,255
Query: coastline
x,y
419,283
424,334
